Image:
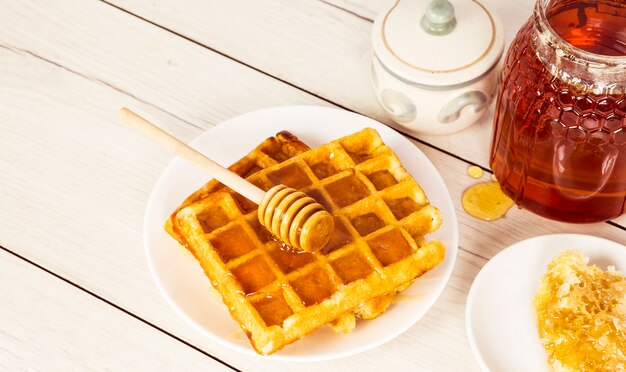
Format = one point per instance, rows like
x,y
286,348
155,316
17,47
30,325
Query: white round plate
x,y
188,291
500,317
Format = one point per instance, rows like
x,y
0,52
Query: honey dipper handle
x,y
181,149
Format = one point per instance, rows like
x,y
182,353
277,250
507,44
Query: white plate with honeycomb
x,y
500,317
185,286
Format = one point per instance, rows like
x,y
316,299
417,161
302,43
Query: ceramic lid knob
x,y
439,18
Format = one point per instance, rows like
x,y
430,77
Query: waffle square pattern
x,y
279,294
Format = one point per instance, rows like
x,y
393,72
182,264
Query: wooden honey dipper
x,y
295,218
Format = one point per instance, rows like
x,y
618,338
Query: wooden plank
x,y
48,325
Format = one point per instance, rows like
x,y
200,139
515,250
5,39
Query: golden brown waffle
x,y
278,295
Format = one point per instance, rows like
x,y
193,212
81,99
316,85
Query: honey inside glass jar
x,y
559,142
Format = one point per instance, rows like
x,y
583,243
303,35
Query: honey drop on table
x,y
486,201
475,172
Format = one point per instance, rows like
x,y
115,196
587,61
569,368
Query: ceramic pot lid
x,y
438,42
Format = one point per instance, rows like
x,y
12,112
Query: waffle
x,y
377,248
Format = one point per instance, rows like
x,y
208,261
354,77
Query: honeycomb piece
x,y
581,313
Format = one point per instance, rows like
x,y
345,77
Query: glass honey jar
x,y
559,140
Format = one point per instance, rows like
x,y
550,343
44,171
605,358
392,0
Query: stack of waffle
x,y
279,294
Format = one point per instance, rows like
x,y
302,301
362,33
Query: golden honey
x,y
382,179
475,172
367,223
486,201
402,207
581,314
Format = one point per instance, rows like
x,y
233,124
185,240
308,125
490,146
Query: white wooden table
x,y
75,291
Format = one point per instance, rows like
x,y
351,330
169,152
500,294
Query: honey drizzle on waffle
x,y
323,260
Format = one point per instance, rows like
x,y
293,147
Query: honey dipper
x,y
295,218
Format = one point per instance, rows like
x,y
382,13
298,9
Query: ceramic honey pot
x,y
436,63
